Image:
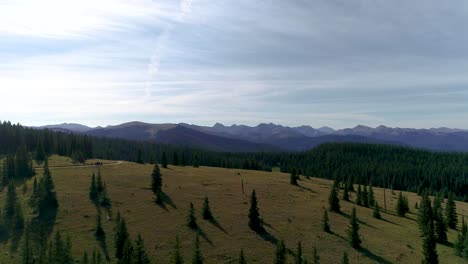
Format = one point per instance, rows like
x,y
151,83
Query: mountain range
x,y
272,137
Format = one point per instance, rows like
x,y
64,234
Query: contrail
x,y
185,7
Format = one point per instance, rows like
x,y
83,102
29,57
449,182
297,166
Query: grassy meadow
x,y
290,213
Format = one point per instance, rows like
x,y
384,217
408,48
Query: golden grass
x,y
291,213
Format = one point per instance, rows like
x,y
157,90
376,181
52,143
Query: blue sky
x,y
317,62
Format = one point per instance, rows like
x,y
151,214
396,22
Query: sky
x,y
334,63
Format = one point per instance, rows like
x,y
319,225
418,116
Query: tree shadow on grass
x,y
204,235
214,222
306,188
265,235
166,199
358,220
388,221
373,256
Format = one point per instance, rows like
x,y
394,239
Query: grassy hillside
x,y
290,213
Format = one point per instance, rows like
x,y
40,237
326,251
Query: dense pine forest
x,y
395,167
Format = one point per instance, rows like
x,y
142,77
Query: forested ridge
x,y
396,167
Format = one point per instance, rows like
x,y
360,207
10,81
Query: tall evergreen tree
x,y
99,230
93,193
429,246
121,236
325,224
359,195
9,209
196,161
27,257
164,160
140,255
40,152
353,231
293,178
371,196
439,226
191,218
280,255
177,256
451,212
197,255
206,211
425,213
365,198
401,207
47,198
139,159
333,200
156,183
346,193
298,258
128,254
99,182
255,222
376,212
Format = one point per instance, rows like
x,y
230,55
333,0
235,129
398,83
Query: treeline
x,y
38,144
394,167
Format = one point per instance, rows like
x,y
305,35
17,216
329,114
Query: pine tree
x,y
197,255
345,259
298,257
315,256
9,211
425,213
439,226
206,211
47,198
196,161
346,193
140,255
293,178
104,198
371,196
365,199
128,253
177,257
191,218
400,207
280,256
99,231
376,212
333,200
451,212
156,183
429,246
325,224
459,244
353,231
255,222
139,159
40,153
121,236
93,193
242,259
99,183
183,161
164,160
359,195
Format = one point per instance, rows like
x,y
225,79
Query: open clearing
x,y
290,213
